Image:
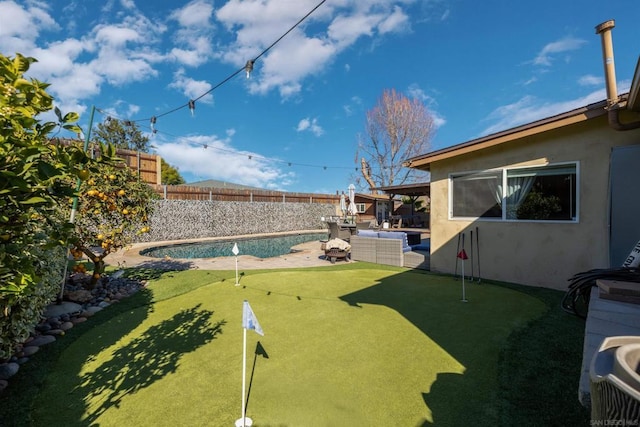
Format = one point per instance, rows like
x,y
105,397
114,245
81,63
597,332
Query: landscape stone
x,y
55,332
30,350
66,326
80,295
66,307
78,320
93,309
41,340
7,370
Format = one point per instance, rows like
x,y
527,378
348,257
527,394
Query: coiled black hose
x,y
576,299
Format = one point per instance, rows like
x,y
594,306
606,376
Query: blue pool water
x,y
262,247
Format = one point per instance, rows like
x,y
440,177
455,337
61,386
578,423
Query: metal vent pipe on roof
x,y
604,30
613,101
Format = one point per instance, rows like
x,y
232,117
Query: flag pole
x,y
244,376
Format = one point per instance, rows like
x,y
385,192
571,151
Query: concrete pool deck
x,y
307,254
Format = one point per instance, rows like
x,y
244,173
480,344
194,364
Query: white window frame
x,y
361,207
504,172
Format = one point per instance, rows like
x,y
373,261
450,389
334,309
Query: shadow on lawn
x,y
138,364
471,333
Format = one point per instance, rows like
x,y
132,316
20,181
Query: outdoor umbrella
x,y
352,203
343,204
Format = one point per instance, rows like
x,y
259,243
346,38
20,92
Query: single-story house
x,y
375,206
544,200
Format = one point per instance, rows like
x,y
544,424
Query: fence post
x,y
251,197
210,196
165,191
282,198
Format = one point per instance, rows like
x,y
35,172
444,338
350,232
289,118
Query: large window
x,y
476,195
545,193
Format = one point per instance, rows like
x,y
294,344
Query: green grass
x,y
353,344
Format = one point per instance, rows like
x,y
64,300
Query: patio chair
x,y
338,232
363,225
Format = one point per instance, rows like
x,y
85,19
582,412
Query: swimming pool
x,y
260,247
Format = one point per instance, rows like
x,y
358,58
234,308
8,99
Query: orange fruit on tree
x,y
83,174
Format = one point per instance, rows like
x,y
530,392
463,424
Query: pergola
x,y
413,191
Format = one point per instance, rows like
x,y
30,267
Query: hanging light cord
x,y
191,102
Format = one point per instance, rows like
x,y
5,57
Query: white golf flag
x,y
249,319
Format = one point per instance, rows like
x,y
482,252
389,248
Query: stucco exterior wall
x,y
533,253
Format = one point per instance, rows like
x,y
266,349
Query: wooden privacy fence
x,y
145,165
185,192
148,168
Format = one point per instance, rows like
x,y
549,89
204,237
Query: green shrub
x,y
27,309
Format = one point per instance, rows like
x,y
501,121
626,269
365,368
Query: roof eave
x,y
581,114
633,102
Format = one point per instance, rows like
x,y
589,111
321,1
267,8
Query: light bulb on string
x,y
205,146
249,67
192,106
153,124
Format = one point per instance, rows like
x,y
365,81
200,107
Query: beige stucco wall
x,y
533,253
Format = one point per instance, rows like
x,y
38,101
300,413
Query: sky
x,y
294,123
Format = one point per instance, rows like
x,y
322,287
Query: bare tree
x,y
397,129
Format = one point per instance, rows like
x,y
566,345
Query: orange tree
x,y
113,208
35,176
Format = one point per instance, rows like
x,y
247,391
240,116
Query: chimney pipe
x,y
604,30
613,101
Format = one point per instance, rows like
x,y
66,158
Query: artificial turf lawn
x,y
345,346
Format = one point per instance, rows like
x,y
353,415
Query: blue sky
x,y
478,66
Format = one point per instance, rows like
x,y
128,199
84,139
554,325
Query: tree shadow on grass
x,y
150,270
145,360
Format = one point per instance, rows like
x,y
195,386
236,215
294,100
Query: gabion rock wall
x,y
192,219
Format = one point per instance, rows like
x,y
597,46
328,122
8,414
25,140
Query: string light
x,y
251,157
249,67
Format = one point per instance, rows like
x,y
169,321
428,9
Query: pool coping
x,y
307,254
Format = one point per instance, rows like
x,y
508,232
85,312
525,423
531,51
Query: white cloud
x,y
219,160
191,88
414,91
194,38
20,26
398,21
301,54
529,109
310,125
591,80
551,50
195,14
